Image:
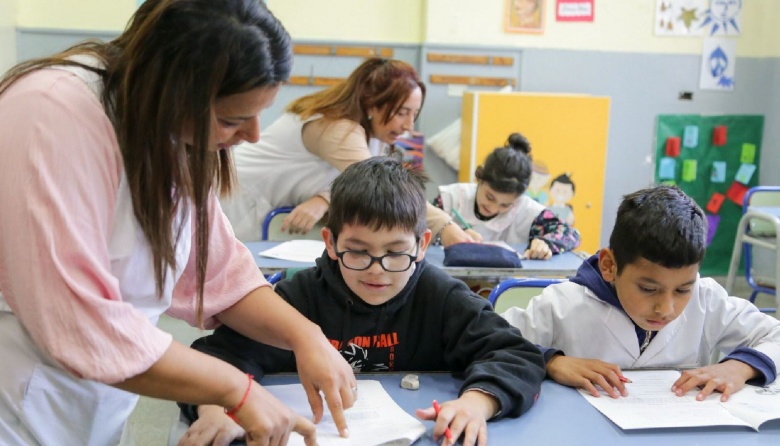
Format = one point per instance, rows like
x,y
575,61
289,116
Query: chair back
x,y
522,291
273,222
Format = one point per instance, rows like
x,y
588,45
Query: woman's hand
x,y
305,215
213,427
322,369
268,422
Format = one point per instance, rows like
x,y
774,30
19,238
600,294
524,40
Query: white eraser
x,y
411,382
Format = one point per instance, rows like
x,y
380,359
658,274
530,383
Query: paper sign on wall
x,y
712,227
716,200
736,192
679,17
691,136
718,172
689,170
574,10
745,173
666,168
748,153
718,64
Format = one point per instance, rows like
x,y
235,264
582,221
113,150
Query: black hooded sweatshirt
x,y
436,323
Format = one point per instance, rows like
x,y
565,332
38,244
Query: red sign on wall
x,y
574,10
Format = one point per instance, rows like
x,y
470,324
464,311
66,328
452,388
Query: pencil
x,y
461,219
447,432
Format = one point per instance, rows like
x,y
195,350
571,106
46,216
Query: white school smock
x,y
78,297
512,227
279,170
571,318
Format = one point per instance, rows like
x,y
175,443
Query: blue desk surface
x,y
563,265
561,416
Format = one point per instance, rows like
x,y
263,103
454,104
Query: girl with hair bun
x,y
496,207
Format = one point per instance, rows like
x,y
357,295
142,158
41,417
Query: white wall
x,y
619,26
7,34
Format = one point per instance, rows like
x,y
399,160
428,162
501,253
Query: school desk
x,y
561,416
562,265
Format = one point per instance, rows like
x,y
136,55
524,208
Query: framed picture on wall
x,y
524,16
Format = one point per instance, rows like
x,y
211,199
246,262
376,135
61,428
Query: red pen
x,y
447,432
623,379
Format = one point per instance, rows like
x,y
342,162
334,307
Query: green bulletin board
x,y
701,168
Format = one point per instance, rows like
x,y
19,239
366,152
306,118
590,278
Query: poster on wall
x,y
715,166
679,17
524,16
718,64
723,17
574,10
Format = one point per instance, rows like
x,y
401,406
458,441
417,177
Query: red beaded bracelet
x,y
232,412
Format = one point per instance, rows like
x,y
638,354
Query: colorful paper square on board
x,y
718,174
716,201
712,227
691,136
666,168
719,135
673,146
748,155
745,173
689,171
736,192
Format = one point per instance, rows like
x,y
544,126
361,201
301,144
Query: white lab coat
x,y
571,318
40,402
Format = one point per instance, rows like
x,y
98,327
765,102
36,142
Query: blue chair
x,y
274,278
759,226
271,215
525,282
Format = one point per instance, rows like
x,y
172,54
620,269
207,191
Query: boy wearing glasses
x,y
386,309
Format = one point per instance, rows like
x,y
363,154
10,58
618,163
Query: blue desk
x,y
560,266
560,417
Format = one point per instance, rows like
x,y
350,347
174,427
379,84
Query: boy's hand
x,y
213,427
305,216
465,416
726,377
538,249
587,374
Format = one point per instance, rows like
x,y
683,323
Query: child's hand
x,y
465,416
476,236
726,377
452,234
587,374
538,249
213,427
305,215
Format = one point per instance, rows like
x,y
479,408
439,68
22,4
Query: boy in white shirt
x,y
640,303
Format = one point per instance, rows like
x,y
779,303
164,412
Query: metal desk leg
x,y
736,254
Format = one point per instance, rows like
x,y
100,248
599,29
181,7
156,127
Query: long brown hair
x,y
375,83
162,74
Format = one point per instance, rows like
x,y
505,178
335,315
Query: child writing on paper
x,y
386,309
497,208
640,303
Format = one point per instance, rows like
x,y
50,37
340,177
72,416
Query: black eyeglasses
x,y
391,262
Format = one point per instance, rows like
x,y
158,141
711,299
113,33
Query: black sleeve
x,y
494,355
249,356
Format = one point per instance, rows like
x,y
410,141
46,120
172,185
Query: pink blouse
x,y
60,169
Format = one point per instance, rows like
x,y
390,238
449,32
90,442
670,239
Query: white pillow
x,y
446,144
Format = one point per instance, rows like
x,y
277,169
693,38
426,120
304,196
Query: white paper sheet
x,y
651,404
296,250
375,419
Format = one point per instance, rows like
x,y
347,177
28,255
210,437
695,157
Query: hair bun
x,y
519,142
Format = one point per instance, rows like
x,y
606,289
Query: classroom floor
x,y
151,420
